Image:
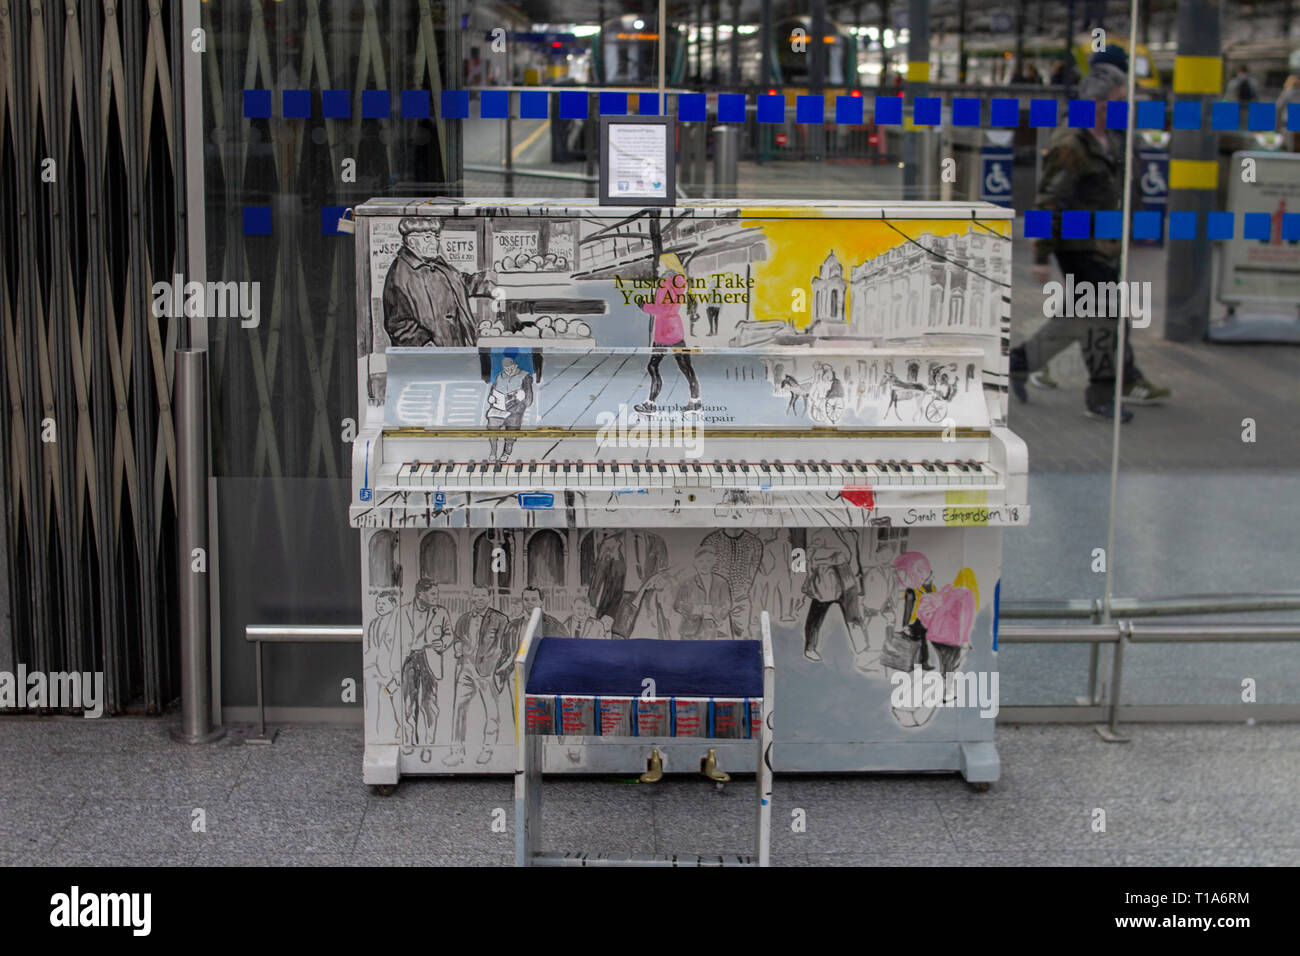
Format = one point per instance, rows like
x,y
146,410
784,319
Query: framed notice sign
x,y
637,161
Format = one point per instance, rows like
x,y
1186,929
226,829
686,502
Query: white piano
x,y
658,423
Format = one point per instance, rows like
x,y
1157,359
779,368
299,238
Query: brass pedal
x,y
709,767
655,773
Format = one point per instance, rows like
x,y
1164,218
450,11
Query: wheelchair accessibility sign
x,y
1154,180
996,163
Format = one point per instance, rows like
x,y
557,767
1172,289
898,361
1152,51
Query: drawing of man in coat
x,y
430,629
704,600
426,298
482,648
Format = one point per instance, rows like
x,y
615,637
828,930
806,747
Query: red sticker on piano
x,y
860,495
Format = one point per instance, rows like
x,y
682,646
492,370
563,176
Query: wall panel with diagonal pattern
x,y
282,388
90,191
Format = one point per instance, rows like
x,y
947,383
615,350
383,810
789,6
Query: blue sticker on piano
x,y
536,499
364,494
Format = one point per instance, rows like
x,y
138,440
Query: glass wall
x,y
1208,464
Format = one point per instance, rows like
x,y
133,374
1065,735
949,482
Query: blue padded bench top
x,y
616,668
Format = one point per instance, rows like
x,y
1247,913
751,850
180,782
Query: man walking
x,y
1084,170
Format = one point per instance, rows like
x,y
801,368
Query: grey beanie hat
x,y
1101,79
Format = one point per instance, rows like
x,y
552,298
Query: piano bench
x,y
612,690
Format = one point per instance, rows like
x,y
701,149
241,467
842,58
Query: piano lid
x,y
700,208
787,390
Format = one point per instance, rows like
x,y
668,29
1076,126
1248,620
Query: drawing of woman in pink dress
x,y
666,332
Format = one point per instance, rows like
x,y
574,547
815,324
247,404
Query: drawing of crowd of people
x,y
420,656
821,393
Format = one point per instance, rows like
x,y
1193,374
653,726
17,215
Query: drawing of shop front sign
x,y
460,249
512,243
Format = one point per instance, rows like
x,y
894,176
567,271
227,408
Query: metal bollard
x,y
191,407
726,158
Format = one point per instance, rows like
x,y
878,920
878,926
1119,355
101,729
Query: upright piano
x,y
658,423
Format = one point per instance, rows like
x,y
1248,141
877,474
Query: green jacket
x,y
1079,174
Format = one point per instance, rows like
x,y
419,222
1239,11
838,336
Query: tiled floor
x,y
78,792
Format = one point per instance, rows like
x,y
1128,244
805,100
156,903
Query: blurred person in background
x,y
1290,94
1084,170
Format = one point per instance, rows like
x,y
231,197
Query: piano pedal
x,y
709,767
654,768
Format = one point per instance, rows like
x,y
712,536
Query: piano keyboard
x,y
747,475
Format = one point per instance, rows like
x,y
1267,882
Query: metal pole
x,y
510,145
1110,732
1193,172
699,43
191,407
1020,37
884,54
662,43
261,737
918,84
726,140
714,17
1122,321
765,40
735,44
817,34
961,41
1094,655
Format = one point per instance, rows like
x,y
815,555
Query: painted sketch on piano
x,y
446,612
690,280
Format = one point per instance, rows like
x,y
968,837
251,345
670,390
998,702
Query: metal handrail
x,y
1119,633
260,634
1153,607
527,171
1125,632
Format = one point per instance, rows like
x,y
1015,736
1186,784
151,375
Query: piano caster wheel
x,y
980,786
384,789
709,767
654,768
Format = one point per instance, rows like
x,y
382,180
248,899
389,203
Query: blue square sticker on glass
x,y
926,111
1219,225
1257,225
966,111
1038,223
1187,114
336,104
375,104
809,109
1150,115
692,107
1146,225
1081,114
1076,224
771,108
415,104
257,104
533,105
494,104
731,107
848,110
613,103
889,110
1004,112
573,104
1182,224
296,104
1042,112
1225,115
